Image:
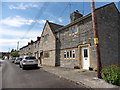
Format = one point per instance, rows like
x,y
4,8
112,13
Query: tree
x,y
15,54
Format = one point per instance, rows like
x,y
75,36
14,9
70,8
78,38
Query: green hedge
x,y
111,74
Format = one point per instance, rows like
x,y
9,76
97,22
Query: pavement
x,y
81,77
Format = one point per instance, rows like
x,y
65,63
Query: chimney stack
x,y
28,43
75,15
38,38
31,41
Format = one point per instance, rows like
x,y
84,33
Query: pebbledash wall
x,y
62,45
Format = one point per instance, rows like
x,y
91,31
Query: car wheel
x,y
23,68
36,66
20,66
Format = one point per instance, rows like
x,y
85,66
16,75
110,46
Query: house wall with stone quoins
x,y
48,46
107,20
70,42
62,45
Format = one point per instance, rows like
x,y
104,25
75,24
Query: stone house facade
x,y
76,42
4,54
48,44
73,45
36,46
31,48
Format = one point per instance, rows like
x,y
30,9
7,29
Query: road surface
x,y
15,77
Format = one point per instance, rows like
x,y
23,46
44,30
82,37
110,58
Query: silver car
x,y
28,61
17,60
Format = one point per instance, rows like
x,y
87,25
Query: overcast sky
x,y
23,21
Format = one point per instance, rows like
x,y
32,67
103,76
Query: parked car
x,y
3,58
17,60
28,61
13,59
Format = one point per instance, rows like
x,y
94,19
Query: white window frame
x,y
65,54
75,30
68,54
76,27
73,52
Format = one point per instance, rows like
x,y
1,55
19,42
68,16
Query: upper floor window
x,y
73,29
45,38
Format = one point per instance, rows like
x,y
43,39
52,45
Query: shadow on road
x,y
32,68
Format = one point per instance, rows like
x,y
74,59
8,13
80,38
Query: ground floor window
x,y
73,53
65,54
69,54
46,54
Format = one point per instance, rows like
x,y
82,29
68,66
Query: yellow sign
x,y
96,41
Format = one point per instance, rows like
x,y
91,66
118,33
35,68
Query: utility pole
x,y
96,40
17,45
9,50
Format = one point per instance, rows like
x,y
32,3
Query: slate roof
x,y
84,17
54,26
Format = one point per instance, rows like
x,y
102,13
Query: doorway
x,y
85,58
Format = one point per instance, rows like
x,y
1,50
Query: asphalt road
x,y
15,77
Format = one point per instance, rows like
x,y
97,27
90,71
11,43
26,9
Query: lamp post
x,y
17,45
96,40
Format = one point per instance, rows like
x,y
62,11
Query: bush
x,y
90,68
111,74
76,67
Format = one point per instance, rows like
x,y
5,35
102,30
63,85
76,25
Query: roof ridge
x,y
105,5
112,3
54,23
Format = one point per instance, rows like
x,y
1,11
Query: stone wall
x,y
83,36
48,46
108,28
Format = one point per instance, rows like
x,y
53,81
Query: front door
x,y
85,58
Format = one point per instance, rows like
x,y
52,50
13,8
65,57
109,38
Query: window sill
x,y
45,58
73,34
69,58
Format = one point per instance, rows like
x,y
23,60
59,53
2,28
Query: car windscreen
x,y
19,59
30,58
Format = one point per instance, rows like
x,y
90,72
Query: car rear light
x,y
24,61
36,60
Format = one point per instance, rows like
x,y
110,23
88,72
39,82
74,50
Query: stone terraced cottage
x,y
73,45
